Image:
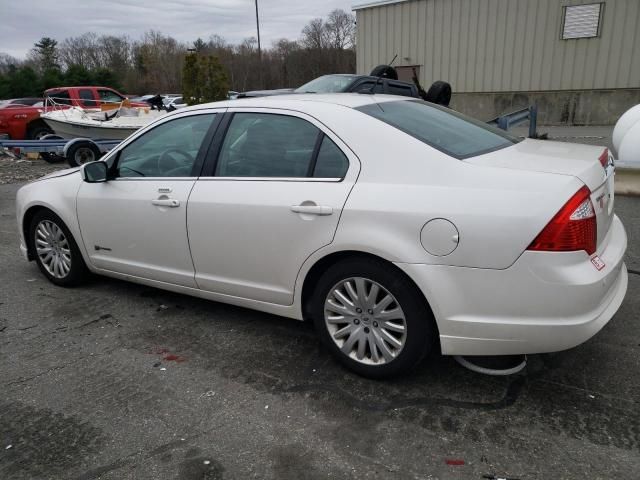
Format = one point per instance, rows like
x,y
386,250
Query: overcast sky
x,y
26,21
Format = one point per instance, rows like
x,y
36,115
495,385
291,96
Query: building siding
x,y
502,45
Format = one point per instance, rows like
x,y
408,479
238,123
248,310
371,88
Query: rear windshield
x,y
450,132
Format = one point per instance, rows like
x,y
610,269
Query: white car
x,y
394,224
175,102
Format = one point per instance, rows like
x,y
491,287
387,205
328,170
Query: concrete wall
x,y
502,45
585,107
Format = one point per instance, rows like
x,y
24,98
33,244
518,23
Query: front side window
x,y
267,145
168,150
109,96
446,130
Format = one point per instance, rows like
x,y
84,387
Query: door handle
x,y
312,209
166,202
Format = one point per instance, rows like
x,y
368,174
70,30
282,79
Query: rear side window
x,y
450,132
398,89
267,145
331,162
60,98
86,96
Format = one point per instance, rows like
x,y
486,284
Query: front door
x,y
273,197
135,223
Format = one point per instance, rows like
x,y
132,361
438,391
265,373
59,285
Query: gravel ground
x,y
15,170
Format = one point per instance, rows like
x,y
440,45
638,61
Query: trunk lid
x,y
581,161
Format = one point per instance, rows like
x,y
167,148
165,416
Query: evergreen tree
x,y
45,52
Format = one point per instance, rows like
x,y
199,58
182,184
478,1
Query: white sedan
x,y
394,224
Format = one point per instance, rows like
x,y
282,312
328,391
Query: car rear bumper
x,y
544,302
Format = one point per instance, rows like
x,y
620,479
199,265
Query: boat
x,y
115,124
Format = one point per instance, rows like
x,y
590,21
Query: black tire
x,y
82,152
37,131
439,93
78,272
385,71
52,157
420,333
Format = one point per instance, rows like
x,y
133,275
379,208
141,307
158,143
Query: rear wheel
x,y
372,318
55,250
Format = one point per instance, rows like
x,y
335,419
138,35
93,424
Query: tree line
x,y
154,63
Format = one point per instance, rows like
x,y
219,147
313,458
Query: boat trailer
x,y
53,148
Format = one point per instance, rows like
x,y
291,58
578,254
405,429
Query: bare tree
x,y
7,61
340,29
315,35
82,50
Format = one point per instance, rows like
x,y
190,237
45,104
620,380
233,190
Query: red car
x,y
23,122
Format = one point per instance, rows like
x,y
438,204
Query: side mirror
x,y
95,172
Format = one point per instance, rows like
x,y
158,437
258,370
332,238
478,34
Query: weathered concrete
x,y
248,395
581,107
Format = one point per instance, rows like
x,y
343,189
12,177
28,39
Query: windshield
x,y
446,130
327,84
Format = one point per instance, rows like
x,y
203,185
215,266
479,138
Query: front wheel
x,y
372,318
55,250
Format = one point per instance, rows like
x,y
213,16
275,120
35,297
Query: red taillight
x,y
604,158
573,227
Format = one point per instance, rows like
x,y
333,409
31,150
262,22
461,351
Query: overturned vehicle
x,y
382,79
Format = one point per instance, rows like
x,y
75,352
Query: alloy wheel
x,y
53,249
365,321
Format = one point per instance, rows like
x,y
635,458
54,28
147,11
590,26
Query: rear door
x,y
272,196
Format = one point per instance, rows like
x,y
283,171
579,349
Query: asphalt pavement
x,y
119,381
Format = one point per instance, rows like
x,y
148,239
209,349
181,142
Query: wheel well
x,y
26,223
36,123
324,263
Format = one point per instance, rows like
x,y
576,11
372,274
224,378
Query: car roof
x,y
79,86
299,100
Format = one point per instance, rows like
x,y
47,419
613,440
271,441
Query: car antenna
x,y
380,75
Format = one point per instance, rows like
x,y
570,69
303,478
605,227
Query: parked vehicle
x,y
174,102
27,101
142,98
390,222
345,83
88,97
25,122
20,122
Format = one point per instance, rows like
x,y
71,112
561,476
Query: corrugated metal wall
x,y
502,45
